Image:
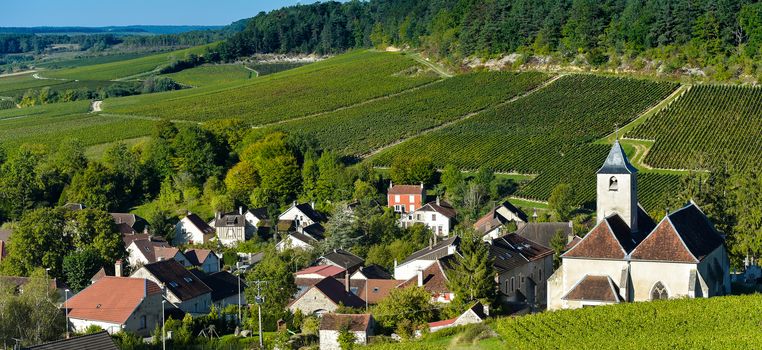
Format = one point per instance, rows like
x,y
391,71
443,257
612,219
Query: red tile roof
x,y
406,189
434,279
322,270
354,322
442,323
373,290
610,239
111,299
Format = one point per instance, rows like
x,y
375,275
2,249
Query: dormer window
x,y
613,184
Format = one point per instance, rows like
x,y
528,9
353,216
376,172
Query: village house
x,y
302,215
331,325
542,233
474,314
227,289
433,279
372,291
130,224
117,304
341,258
437,215
522,268
425,257
371,272
492,224
146,251
306,278
193,230
325,296
301,226
183,289
302,241
204,259
626,257
405,198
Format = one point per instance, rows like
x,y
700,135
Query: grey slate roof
x,y
181,282
543,232
96,341
436,251
343,258
617,162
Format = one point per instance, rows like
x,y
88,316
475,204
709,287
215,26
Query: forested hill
x,y
697,33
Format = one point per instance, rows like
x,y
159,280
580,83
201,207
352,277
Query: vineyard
x,y
323,86
123,69
547,133
358,130
210,75
707,124
7,104
273,67
10,86
72,62
49,124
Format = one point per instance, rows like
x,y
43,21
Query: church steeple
x,y
617,188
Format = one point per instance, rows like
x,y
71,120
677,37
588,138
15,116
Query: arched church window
x,y
659,292
613,184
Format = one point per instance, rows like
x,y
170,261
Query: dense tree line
x,y
696,31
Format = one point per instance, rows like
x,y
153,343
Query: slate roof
x,y
646,224
512,251
354,323
197,257
595,288
494,219
436,251
374,271
129,223
181,282
260,213
223,283
200,224
230,220
617,162
434,279
309,212
315,230
96,341
343,258
685,235
610,239
543,232
406,189
111,299
337,293
440,207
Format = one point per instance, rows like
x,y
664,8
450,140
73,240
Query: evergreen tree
x,y
473,276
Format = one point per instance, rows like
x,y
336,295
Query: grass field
x,y
11,86
324,86
548,133
732,322
707,125
123,69
361,129
211,75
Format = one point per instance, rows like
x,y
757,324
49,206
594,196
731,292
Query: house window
x,y
513,285
540,273
433,217
411,198
397,198
659,292
418,217
143,323
375,289
613,184
412,207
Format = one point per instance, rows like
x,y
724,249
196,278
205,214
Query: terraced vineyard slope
x,y
708,124
210,75
319,87
547,132
359,130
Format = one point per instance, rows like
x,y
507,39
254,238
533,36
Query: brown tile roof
x,y
111,299
594,288
406,189
336,291
353,323
128,238
96,341
129,222
573,242
610,239
434,279
155,250
493,218
373,290
322,270
181,282
197,257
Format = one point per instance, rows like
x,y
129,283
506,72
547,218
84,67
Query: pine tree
x,y
473,275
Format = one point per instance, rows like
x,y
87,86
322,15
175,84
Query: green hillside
x,y
341,81
125,68
210,75
708,124
361,129
731,322
548,132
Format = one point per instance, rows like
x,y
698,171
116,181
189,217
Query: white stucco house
x,y
425,257
192,229
146,251
331,325
184,290
437,215
627,257
492,224
205,259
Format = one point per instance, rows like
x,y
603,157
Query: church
x,y
628,257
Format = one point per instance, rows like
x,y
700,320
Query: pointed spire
x,y
617,162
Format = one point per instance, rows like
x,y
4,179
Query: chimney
x,y
421,184
391,184
571,224
240,210
534,215
218,215
420,278
293,204
346,280
435,238
312,204
118,267
431,243
189,213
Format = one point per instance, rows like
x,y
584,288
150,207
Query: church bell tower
x,y
617,188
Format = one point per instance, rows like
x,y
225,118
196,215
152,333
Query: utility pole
x,y
259,299
66,311
163,332
238,270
